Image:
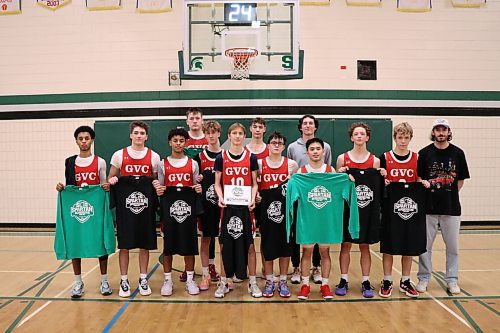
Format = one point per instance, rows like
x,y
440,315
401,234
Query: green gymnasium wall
x,y
113,135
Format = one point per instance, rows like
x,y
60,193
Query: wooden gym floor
x,y
35,287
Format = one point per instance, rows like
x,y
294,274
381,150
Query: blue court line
x,y
125,306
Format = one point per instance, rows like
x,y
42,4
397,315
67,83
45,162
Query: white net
x,y
242,58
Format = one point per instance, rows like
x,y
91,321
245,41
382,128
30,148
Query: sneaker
x,y
407,288
295,276
254,290
167,288
144,287
222,290
422,286
192,287
453,288
305,290
283,289
325,292
237,280
183,277
106,289
205,282
268,289
367,289
124,289
316,275
78,290
230,284
385,289
342,288
214,276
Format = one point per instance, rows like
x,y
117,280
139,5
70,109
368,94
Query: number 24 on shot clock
x,y
240,13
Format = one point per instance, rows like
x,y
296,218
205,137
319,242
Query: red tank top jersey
x,y
401,171
136,167
207,163
262,155
196,143
365,165
272,177
304,170
236,172
88,175
182,176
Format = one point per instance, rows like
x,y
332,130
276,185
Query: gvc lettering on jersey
x,y
131,168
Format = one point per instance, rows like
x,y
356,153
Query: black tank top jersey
x,y
179,211
210,219
235,238
136,203
403,220
273,223
369,192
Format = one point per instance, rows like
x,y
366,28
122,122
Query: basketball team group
x,y
401,200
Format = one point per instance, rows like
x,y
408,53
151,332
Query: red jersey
x,y
272,177
328,169
401,171
88,175
207,163
236,172
196,143
262,155
136,167
182,176
364,165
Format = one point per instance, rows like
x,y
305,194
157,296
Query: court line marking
x,y
468,316
62,291
125,306
441,304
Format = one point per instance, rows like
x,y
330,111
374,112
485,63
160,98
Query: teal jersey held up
x,y
320,207
84,225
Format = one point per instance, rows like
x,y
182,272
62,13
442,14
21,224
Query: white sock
x,y
365,278
252,279
305,280
345,277
190,276
205,271
211,261
78,278
223,279
270,277
168,276
324,281
388,277
104,277
282,277
404,278
124,277
143,276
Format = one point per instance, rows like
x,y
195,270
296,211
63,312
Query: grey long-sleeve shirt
x,y
297,152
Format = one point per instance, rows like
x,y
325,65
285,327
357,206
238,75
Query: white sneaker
x,y
78,290
167,288
124,289
422,286
295,279
144,287
236,280
222,290
453,288
192,287
316,275
105,288
254,290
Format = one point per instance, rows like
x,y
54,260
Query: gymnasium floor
x,y
34,296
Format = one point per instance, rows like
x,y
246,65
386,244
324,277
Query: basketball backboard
x,y
267,27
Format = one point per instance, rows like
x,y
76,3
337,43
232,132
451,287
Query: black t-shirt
x,y
254,165
443,168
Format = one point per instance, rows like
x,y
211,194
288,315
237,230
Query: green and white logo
x,y
319,196
82,211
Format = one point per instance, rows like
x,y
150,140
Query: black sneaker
x,y
342,288
407,288
385,288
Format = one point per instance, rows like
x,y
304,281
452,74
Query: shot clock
x,y
240,13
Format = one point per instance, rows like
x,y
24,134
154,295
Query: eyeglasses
x,y
275,143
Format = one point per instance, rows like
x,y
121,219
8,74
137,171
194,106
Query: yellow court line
x,y
453,313
58,295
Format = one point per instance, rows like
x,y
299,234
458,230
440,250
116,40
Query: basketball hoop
x,y
241,61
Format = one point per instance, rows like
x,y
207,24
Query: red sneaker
x,y
305,290
325,292
214,276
